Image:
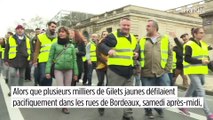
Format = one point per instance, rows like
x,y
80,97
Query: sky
x,y
13,12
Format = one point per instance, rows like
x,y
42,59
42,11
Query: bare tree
x,y
36,22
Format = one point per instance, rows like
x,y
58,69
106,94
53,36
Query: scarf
x,y
19,38
63,41
50,36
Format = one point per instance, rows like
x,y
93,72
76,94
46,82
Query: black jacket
x,y
81,52
178,49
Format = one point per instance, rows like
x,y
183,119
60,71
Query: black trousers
x,y
28,72
85,72
73,83
101,73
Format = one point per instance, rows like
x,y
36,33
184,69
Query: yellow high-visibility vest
x,y
93,56
45,47
12,51
1,48
84,58
174,60
2,53
164,50
124,51
198,53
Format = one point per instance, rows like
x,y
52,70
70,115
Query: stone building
x,y
70,18
208,23
168,21
193,9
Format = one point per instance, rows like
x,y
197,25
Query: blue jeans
x,y
171,78
196,85
36,76
137,80
156,81
43,80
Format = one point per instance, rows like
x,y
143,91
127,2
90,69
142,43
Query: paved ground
x,y
8,113
208,83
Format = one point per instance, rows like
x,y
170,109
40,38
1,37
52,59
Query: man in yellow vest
x,y
179,55
91,57
17,56
156,60
120,46
42,49
35,69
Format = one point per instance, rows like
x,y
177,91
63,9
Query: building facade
x,y
168,22
194,9
208,23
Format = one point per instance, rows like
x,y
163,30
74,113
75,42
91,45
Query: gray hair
x,y
125,18
155,23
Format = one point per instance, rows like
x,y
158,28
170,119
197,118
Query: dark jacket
x,y
101,58
178,49
80,52
20,61
33,42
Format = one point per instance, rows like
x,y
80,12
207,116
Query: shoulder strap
x,y
60,53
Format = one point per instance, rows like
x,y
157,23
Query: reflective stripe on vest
x,y
198,53
164,50
93,51
12,51
174,60
2,54
45,47
124,51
